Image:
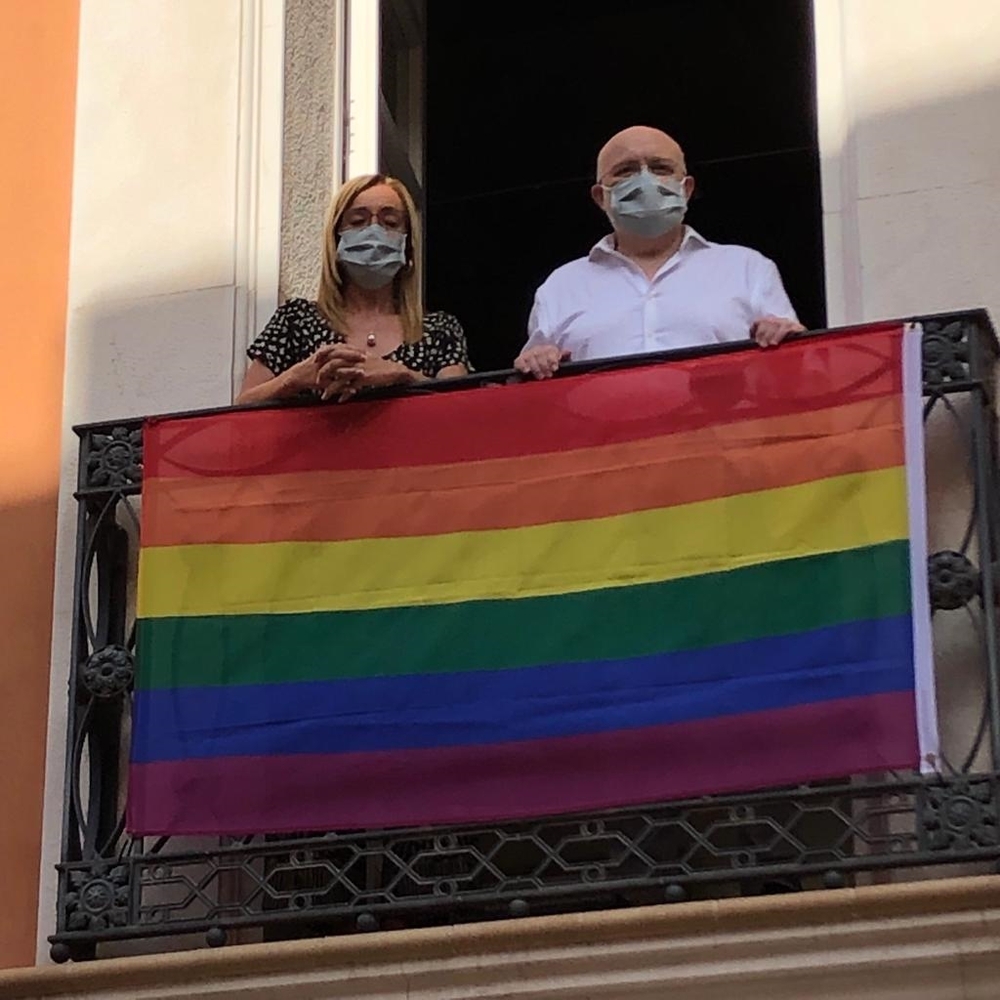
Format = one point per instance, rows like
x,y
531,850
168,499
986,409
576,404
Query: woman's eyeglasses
x,y
389,218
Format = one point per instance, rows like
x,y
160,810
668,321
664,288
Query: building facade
x,y
164,172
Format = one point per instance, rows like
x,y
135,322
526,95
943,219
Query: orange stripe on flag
x,y
650,473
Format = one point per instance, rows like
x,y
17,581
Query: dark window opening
x,y
518,106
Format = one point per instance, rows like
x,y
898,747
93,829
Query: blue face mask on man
x,y
646,205
372,256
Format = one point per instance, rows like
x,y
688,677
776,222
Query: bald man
x,y
653,284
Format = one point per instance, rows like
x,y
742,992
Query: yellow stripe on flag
x,y
826,515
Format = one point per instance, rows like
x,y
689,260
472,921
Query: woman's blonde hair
x,y
407,285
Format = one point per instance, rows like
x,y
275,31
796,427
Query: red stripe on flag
x,y
534,417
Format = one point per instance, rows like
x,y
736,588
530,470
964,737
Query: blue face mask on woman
x,y
646,205
372,256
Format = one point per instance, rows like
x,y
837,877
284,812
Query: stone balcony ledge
x,y
937,939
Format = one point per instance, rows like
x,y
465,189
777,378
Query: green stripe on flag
x,y
777,598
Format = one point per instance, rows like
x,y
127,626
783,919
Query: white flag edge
x,y
916,492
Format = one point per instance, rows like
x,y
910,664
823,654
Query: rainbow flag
x,y
669,580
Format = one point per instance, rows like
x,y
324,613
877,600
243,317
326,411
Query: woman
x,y
367,326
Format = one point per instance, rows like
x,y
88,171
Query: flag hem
x,y
916,490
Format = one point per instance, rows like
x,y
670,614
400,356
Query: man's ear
x,y
689,187
597,193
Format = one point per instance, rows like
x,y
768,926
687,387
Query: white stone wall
x,y
909,115
154,207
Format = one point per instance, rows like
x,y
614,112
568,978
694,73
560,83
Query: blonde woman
x,y
367,327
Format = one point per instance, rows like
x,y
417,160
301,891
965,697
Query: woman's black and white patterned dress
x,y
298,329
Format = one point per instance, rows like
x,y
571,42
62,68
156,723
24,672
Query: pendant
x,y
371,339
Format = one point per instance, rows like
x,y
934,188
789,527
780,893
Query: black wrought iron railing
x,y
113,886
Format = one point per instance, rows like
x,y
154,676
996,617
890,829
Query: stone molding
x,y
938,940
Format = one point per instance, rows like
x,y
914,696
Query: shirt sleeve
x,y
768,295
279,345
450,347
539,331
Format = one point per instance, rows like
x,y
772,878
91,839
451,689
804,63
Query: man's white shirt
x,y
603,305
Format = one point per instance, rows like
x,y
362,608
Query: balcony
x,y
858,831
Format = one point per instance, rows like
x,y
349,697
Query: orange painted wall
x,y
38,60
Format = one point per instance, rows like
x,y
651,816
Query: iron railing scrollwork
x,y
113,886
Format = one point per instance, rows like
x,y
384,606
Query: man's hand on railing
x,y
542,361
771,330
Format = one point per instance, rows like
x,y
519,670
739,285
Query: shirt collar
x,y
606,246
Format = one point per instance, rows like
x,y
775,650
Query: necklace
x,y
371,339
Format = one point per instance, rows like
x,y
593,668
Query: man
x,y
654,283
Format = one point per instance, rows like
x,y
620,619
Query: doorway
x,y
517,106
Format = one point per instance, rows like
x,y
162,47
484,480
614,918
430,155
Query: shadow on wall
x,y
156,354
126,357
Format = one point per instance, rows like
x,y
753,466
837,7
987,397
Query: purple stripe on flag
x,y
463,784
